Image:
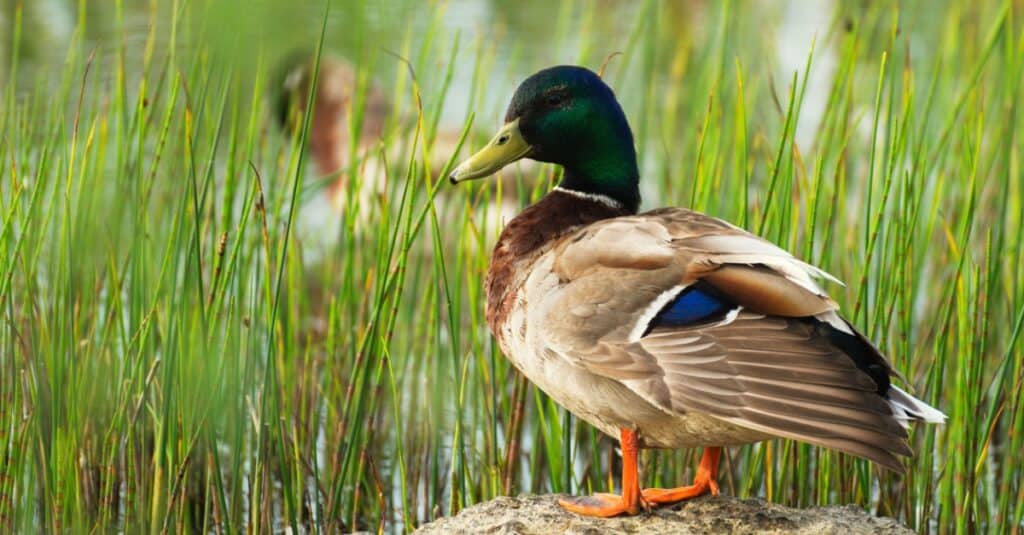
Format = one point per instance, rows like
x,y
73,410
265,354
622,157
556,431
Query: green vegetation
x,y
175,356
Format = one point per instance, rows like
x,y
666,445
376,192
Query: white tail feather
x,y
907,408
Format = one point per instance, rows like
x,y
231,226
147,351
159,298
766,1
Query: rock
x,y
541,515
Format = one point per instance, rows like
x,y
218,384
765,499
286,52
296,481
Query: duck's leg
x,y
606,505
703,482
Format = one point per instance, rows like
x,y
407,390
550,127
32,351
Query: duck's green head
x,y
568,116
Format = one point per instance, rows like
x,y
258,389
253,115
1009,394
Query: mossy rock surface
x,y
541,515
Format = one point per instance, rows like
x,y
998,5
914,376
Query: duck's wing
x,y
694,314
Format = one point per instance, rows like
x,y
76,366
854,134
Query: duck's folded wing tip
x,y
907,408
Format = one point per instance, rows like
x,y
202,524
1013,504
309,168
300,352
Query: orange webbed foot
x,y
663,496
606,505
601,505
703,483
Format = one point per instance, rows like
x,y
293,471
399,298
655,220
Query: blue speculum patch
x,y
693,305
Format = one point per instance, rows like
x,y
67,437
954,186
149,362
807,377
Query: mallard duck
x,y
329,128
668,328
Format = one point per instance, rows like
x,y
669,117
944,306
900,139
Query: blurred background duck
x,y
670,328
331,131
353,122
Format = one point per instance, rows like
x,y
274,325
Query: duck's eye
x,y
554,99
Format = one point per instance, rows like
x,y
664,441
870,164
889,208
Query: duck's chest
x,y
605,403
515,321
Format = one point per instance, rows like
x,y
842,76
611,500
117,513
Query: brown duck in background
x,y
329,141
329,130
668,329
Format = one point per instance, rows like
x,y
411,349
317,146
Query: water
x,y
519,37
266,30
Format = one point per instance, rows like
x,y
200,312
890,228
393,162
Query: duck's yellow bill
x,y
507,146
